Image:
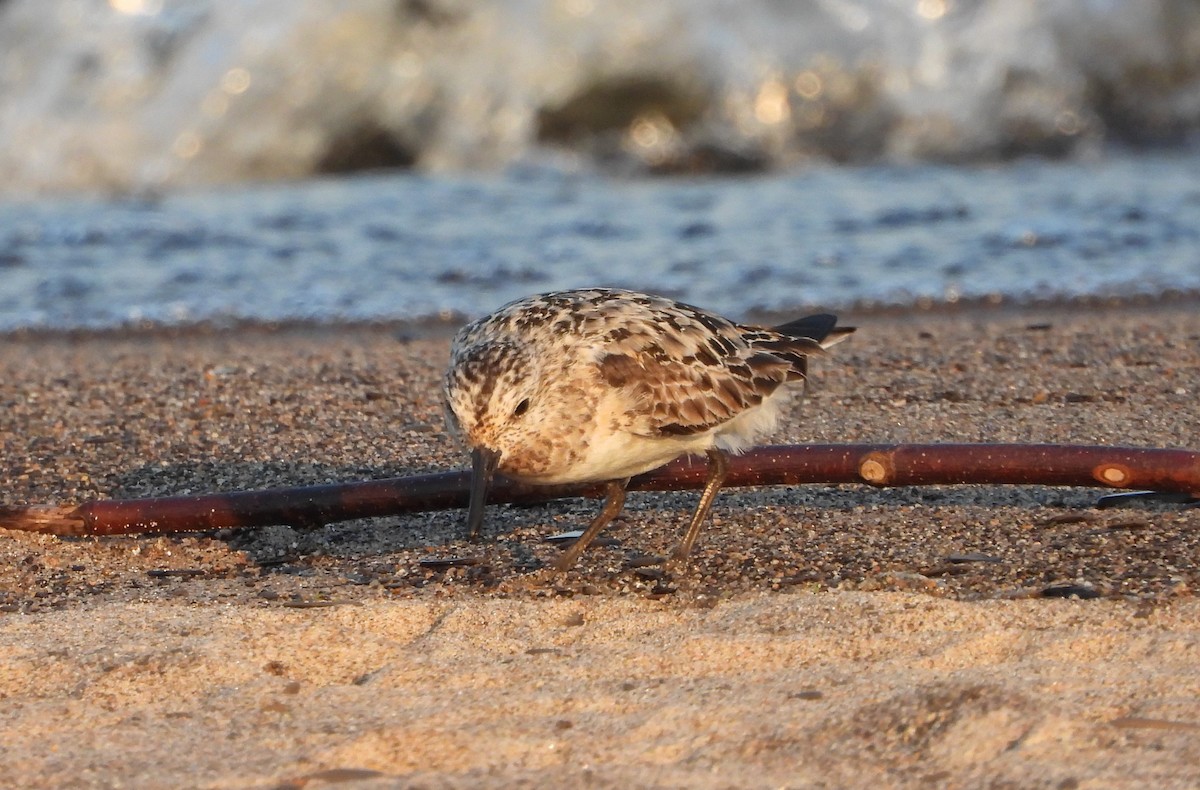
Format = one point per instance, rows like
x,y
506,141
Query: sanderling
x,y
601,384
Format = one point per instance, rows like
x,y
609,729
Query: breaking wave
x,y
130,95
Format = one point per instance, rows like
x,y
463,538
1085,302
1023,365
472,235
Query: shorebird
x,y
599,385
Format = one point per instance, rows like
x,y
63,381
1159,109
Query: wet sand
x,y
823,635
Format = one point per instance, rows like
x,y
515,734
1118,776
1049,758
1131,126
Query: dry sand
x,y
823,636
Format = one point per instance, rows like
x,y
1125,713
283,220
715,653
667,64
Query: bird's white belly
x,y
616,454
743,431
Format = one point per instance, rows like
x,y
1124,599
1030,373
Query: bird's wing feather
x,y
688,381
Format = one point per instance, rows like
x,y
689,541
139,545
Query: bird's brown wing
x,y
681,394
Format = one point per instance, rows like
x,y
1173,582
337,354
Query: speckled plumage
x,y
603,384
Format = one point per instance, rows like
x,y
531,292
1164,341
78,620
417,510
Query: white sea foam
x,y
134,94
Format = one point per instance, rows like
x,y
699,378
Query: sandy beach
x,y
823,636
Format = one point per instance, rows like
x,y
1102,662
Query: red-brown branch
x,y
876,464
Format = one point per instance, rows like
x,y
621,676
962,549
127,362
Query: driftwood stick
x,y
876,464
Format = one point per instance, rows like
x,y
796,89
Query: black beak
x,y
483,466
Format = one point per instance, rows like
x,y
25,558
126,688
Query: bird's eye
x,y
522,407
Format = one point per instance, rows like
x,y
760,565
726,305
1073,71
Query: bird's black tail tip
x,y
821,327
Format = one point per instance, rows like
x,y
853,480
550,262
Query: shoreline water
x,y
989,307
395,246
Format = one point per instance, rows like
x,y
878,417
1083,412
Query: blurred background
x,y
182,160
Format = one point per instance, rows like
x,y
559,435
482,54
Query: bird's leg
x,y
718,468
614,500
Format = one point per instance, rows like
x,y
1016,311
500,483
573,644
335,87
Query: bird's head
x,y
490,389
